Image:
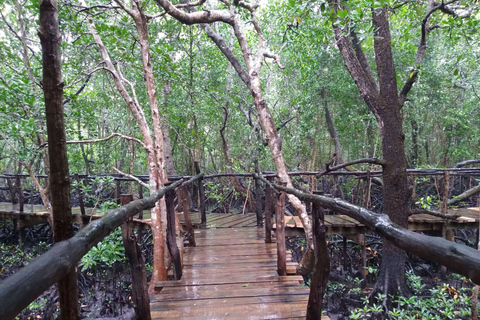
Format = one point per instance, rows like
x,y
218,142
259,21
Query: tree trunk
x,y
332,131
166,134
50,38
153,147
385,103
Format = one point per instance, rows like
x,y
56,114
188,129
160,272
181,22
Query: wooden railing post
x,y
444,209
321,269
184,206
85,219
258,197
201,195
80,194
171,240
280,232
21,198
140,214
141,300
269,209
11,187
117,191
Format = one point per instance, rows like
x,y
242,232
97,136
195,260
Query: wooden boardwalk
x,y
231,274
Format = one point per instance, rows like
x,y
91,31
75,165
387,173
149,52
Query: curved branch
x,y
422,47
275,57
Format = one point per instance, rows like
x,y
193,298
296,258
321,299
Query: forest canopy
x,y
194,82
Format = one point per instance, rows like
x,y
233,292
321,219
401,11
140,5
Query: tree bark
x,y
141,301
50,38
321,271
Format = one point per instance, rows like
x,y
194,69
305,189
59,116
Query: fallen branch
x,y
466,163
346,164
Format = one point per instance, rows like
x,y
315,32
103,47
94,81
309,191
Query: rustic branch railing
x,y
456,257
20,289
425,172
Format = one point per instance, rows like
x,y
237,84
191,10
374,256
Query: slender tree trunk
x,y
154,151
332,130
166,134
50,38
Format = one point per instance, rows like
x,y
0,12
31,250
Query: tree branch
x,y
197,16
227,51
466,163
432,6
275,57
115,134
283,124
361,77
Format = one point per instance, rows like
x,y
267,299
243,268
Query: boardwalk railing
x,y
457,257
20,289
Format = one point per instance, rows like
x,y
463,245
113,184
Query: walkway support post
x,y
322,263
201,195
280,232
141,301
171,239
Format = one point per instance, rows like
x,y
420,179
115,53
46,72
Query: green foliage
x,y
106,254
15,257
441,302
427,202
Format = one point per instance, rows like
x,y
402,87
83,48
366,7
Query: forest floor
x,y
105,284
